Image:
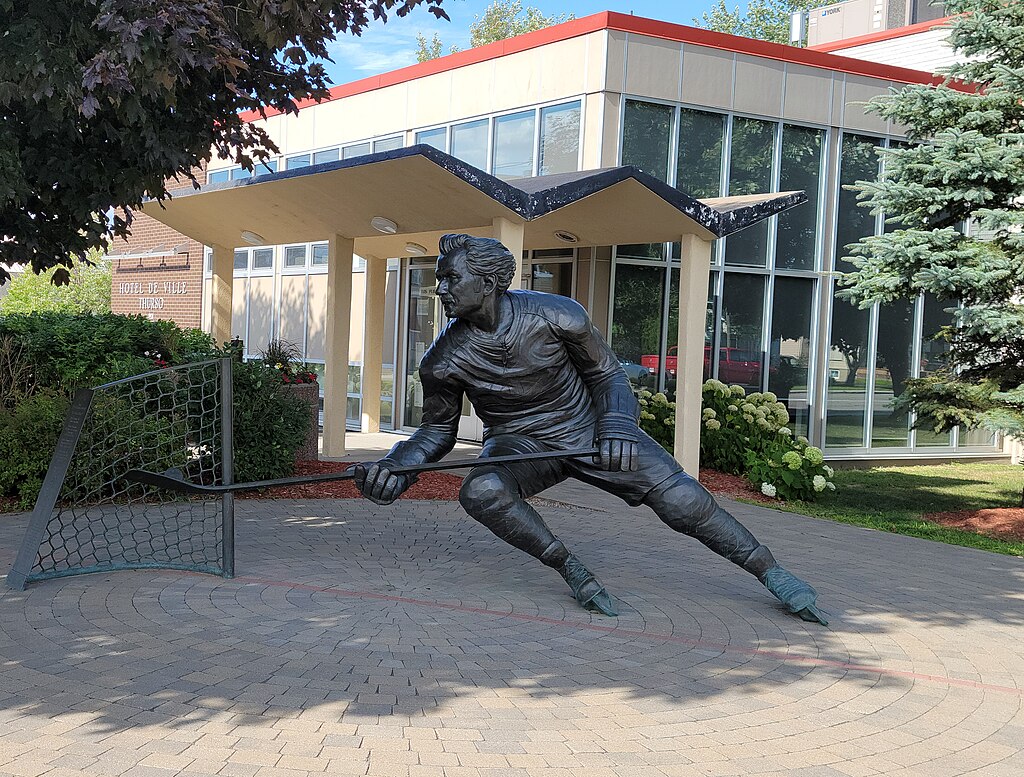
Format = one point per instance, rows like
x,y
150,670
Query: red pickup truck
x,y
735,365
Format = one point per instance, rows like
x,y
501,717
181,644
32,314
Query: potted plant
x,y
285,358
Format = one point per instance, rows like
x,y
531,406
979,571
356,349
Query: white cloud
x,y
384,47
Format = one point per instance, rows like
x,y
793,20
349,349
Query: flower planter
x,y
310,394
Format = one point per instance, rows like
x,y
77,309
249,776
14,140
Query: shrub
x,y
745,434
270,424
790,470
735,423
71,351
28,437
657,417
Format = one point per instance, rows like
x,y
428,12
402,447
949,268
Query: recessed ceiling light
x,y
415,249
381,224
253,238
565,236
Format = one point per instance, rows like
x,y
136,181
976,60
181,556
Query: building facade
x,y
712,114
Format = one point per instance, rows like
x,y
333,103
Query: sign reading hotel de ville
x,y
172,290
159,275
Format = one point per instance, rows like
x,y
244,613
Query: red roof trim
x,y
874,37
610,20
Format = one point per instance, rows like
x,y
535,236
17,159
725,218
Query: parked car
x,y
735,365
636,373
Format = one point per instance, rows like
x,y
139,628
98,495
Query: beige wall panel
x,y
838,94
361,116
356,326
430,100
292,326
473,89
707,77
564,69
515,81
858,91
316,323
615,80
596,61
593,131
758,87
207,314
610,146
299,134
652,68
261,313
275,127
808,94
238,288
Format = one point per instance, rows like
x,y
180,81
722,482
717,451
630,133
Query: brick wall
x,y
168,287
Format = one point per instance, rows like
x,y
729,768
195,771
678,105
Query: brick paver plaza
x,y
405,640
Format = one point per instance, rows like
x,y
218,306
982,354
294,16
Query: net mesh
x,y
166,420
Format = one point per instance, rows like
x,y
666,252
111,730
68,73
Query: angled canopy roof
x,y
427,193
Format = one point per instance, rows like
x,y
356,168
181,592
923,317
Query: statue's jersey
x,y
546,373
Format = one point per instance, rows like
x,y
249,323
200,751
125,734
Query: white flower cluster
x,y
768,489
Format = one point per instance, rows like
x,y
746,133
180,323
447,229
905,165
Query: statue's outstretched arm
x,y
617,432
442,407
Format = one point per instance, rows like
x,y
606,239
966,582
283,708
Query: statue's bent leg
x,y
686,506
492,495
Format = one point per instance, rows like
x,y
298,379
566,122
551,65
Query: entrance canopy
x,y
425,193
378,205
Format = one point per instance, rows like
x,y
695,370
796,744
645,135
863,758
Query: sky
x,y
384,47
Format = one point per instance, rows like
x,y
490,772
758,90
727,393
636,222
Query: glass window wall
x,y
356,149
438,138
295,256
424,311
933,357
789,349
742,326
387,144
699,163
330,155
637,317
846,399
800,170
750,172
469,142
893,366
646,137
559,138
513,145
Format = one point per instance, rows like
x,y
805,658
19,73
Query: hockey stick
x,y
173,480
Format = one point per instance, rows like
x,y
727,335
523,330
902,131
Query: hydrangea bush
x,y
657,417
790,470
745,434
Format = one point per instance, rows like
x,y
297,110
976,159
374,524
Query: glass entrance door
x,y
425,319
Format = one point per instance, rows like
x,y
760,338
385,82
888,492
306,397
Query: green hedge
x,y
65,352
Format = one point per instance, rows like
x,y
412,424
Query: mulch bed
x,y
431,485
734,487
1005,523
439,485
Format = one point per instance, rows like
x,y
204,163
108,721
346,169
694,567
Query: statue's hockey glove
x,y
617,438
376,482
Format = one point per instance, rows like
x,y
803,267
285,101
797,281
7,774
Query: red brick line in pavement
x,y
794,658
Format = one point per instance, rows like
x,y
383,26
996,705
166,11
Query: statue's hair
x,y
484,256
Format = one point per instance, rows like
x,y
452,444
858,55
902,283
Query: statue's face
x,y
460,291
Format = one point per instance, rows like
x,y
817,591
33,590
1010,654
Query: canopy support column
x,y
693,301
220,294
511,235
339,312
373,341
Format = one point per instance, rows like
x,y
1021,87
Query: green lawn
x,y
894,499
